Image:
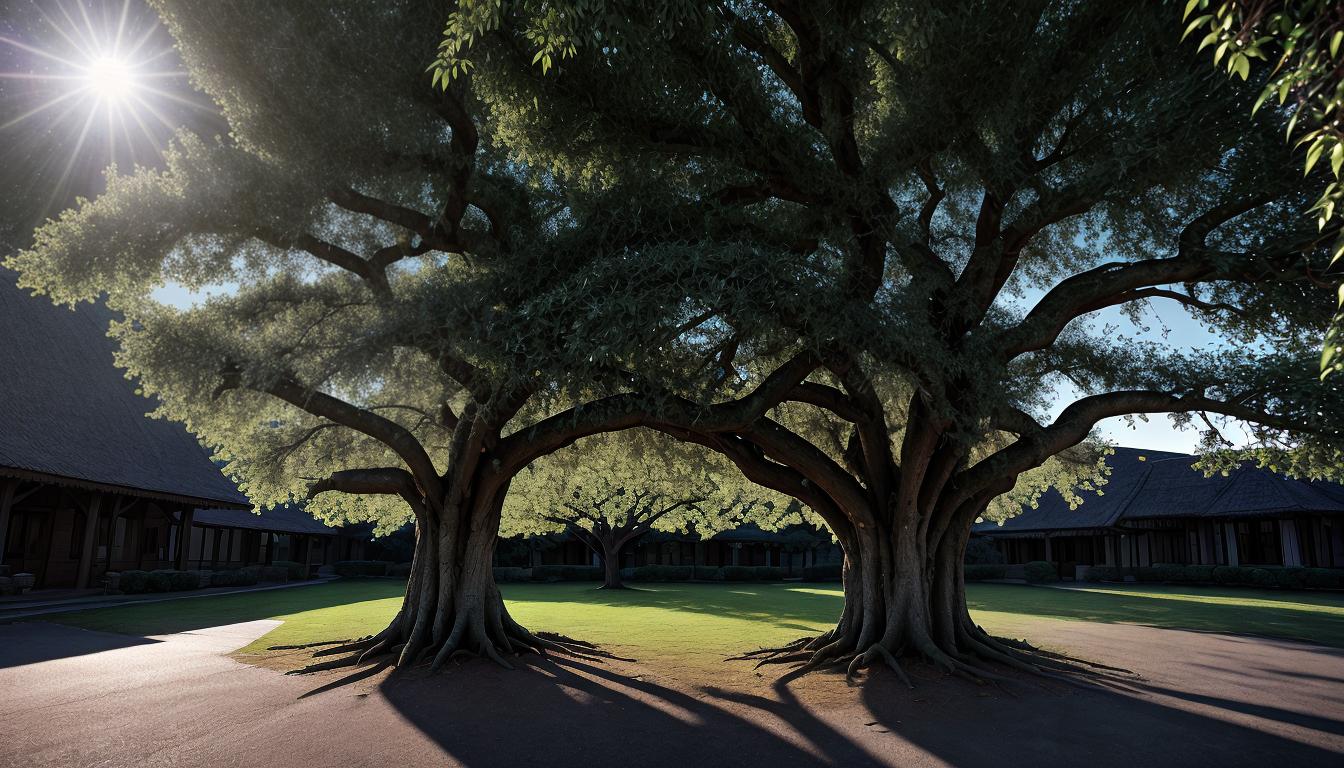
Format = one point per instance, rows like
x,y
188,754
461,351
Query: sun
x,y
111,80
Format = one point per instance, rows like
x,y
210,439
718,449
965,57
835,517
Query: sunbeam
x,y
85,84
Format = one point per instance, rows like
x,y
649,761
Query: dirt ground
x,y
76,697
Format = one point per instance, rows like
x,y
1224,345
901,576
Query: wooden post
x,y
90,541
6,504
184,539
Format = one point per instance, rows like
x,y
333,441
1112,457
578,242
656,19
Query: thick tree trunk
x,y
904,597
452,606
611,566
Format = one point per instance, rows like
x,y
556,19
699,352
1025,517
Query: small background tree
x,y
609,490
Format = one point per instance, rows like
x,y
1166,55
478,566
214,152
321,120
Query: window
x,y
1258,542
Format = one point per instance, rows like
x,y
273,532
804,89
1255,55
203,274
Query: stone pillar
x,y
1288,543
184,539
90,541
736,549
6,505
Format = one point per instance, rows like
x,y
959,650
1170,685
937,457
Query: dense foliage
x,y
1306,37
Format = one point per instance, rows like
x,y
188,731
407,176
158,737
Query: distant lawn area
x,y
695,623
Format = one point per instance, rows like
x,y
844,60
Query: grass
x,y
696,623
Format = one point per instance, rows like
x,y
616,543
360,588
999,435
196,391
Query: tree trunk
x,y
904,597
452,606
611,565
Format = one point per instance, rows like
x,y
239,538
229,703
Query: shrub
x,y
134,582
242,577
350,568
181,581
504,574
1261,577
293,571
738,573
1324,578
827,572
1232,574
770,573
981,551
401,570
708,573
1104,573
982,571
1040,572
158,581
269,572
661,573
566,573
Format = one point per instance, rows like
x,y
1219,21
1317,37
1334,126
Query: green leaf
x,y
1240,65
1196,24
1314,154
1337,158
1334,43
1189,8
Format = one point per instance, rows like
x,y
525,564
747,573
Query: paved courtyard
x,y
75,697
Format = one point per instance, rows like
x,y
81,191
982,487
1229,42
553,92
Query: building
x,y
89,484
792,549
1158,509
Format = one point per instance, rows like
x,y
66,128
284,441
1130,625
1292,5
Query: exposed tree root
x,y
305,645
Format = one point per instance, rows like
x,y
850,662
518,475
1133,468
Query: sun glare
x,y
111,80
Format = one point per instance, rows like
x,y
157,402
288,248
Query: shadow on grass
x,y
173,616
1176,609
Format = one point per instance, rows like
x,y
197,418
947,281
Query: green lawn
x,y
689,623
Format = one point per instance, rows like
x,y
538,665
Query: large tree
x,y
950,190
849,247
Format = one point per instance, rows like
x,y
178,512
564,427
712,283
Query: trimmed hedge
x,y
707,573
133,582
1104,573
1291,577
399,570
136,582
567,573
660,573
268,572
351,568
237,578
293,571
1040,572
983,571
827,572
503,574
752,573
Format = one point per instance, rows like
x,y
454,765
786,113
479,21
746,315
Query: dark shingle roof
x,y
67,415
1159,484
275,519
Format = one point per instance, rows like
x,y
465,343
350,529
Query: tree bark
x,y
611,566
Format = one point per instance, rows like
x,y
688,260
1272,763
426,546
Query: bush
x,y
738,573
293,571
1261,577
158,581
660,573
982,571
981,551
1231,574
134,582
352,568
1104,573
827,572
567,573
268,572
708,573
1040,572
504,574
242,577
1324,578
400,570
770,573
